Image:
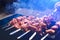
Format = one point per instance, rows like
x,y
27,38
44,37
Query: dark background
x,y
3,4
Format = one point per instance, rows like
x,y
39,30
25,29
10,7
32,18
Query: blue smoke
x,y
40,5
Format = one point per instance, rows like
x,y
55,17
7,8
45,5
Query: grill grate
x,y
18,34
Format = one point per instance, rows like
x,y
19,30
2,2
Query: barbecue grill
x,y
12,33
